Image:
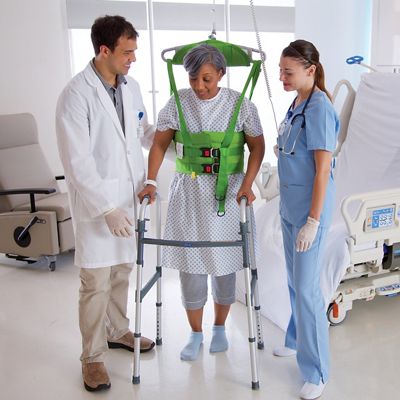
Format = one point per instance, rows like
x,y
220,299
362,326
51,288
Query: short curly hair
x,y
203,54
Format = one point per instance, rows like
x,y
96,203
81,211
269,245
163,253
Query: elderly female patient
x,y
207,113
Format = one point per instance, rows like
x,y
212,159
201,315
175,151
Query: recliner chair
x,y
35,220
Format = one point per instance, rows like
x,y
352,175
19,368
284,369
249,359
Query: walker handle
x,y
243,205
143,205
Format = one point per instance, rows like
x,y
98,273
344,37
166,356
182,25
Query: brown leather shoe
x,y
95,376
127,342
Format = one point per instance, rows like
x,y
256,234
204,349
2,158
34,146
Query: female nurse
x,y
307,137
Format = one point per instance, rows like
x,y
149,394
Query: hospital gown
x,y
192,209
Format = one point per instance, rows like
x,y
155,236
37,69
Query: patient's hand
x,y
150,191
246,190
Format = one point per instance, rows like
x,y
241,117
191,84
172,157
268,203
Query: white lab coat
x,y
103,168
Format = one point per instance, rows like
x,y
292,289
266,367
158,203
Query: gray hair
x,y
203,54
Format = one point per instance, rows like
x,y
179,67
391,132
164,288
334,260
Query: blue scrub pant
x,y
308,326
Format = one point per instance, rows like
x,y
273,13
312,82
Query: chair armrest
x,y
27,191
31,192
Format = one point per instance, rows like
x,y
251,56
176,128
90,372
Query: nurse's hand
x,y
246,191
307,234
119,222
276,150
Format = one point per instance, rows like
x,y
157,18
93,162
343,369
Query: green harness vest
x,y
205,153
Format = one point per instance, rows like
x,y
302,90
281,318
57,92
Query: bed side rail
x,y
345,111
375,219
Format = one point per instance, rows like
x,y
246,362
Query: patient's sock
x,y
191,350
219,341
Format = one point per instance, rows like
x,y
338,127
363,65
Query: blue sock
x,y
191,350
219,341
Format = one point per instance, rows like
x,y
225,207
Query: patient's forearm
x,y
156,157
257,148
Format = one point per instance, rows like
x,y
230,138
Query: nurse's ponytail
x,y
320,79
308,55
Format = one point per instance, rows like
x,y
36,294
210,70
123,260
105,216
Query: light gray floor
x,y
40,347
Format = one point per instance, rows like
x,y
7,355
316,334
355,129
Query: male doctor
x,y
101,126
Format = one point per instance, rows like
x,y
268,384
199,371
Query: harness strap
x,y
224,166
185,136
222,181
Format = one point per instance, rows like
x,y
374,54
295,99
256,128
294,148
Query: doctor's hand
x,y
246,191
119,222
307,234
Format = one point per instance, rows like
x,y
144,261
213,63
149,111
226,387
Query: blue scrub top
x,y
297,171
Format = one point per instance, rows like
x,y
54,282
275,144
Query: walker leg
x,y
255,384
138,303
257,311
159,270
254,283
158,310
137,334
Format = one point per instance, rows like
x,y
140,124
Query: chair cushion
x,y
57,202
22,161
17,130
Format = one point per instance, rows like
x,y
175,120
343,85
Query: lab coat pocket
x,y
112,190
79,211
85,207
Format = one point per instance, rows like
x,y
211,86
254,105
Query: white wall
x,y
385,53
35,55
339,29
34,64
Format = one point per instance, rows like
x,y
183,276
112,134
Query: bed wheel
x,y
335,316
52,266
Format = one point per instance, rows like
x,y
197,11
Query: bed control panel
x,y
389,290
379,218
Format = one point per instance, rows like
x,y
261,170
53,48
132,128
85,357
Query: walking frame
x,y
250,274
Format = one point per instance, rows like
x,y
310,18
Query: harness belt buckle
x,y
216,153
211,168
210,152
205,151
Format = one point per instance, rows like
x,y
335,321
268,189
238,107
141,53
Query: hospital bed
x,y
362,257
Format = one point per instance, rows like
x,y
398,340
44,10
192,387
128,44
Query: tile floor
x,y
40,347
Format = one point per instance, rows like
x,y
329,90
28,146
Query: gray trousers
x,y
194,289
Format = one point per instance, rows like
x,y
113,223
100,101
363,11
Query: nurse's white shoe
x,y
310,391
284,351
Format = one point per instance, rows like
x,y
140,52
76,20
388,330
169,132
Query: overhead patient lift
x,y
235,56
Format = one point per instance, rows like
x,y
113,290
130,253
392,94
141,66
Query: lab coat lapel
x,y
110,108
130,117
105,99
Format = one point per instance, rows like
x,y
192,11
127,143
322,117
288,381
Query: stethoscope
x,y
301,117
